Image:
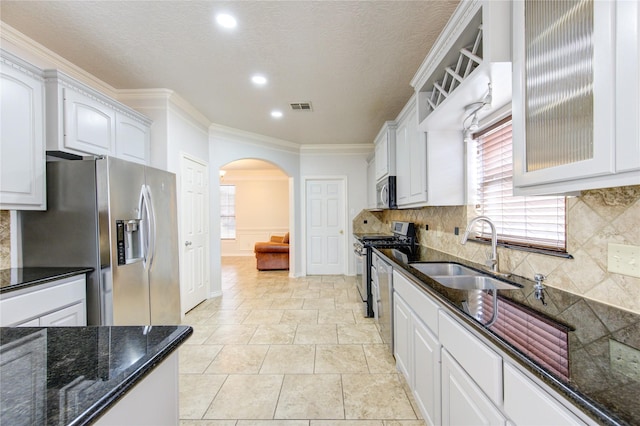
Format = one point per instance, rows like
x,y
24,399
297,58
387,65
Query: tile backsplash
x,y
5,239
595,219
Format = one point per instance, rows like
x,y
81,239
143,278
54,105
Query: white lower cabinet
x,y
401,336
526,403
20,359
56,304
152,402
70,316
481,363
463,402
457,377
426,371
416,345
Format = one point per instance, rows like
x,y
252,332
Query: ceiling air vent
x,y
301,106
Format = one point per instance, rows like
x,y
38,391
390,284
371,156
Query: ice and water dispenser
x,y
129,241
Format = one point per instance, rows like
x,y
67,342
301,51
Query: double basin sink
x,y
458,277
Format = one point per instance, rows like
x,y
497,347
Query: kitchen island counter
x,y
600,372
75,375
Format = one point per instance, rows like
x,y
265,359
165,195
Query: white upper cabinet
x,y
83,121
576,95
22,127
88,124
411,158
473,51
627,86
430,166
469,64
385,151
132,139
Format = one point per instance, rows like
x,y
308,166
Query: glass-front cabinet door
x,y
564,97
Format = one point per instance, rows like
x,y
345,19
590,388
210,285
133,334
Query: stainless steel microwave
x,y
386,193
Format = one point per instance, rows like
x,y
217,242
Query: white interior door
x,y
195,233
325,227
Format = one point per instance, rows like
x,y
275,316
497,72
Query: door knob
x,y
187,243
341,232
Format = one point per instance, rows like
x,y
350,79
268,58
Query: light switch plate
x,y
624,259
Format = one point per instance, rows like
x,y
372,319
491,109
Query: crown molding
x,y
220,131
407,109
451,31
48,59
151,97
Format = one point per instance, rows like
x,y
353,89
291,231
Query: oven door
x,y
360,253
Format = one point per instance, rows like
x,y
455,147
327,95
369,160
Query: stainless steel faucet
x,y
493,261
539,288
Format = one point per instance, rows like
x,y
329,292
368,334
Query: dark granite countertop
x,y
361,235
17,278
73,375
603,377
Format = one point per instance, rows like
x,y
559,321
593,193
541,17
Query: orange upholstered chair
x,y
273,254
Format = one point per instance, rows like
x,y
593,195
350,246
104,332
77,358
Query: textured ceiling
x,y
352,59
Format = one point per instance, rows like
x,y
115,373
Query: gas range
x,y
403,237
404,234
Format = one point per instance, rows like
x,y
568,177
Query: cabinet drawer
x,y
71,316
463,401
421,304
481,363
16,309
526,403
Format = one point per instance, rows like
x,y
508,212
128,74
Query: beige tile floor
x,y
274,350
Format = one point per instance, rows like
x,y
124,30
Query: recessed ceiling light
x,y
276,114
225,20
260,80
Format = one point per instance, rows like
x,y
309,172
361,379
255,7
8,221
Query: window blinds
x,y
531,221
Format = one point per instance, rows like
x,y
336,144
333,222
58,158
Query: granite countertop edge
x,y
110,399
582,401
46,275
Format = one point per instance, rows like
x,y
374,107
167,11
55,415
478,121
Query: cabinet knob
x,y
187,243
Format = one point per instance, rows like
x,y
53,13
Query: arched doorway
x,y
254,205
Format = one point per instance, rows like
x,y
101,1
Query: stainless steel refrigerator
x,y
119,218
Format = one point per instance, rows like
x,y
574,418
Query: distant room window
x,y
228,212
536,222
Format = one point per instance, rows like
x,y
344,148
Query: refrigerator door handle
x,y
152,224
146,219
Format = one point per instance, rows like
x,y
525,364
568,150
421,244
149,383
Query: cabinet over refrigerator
x,y
120,219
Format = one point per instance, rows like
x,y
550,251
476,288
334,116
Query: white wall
x,y
178,128
228,145
262,208
354,167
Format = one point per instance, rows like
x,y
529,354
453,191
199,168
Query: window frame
x,y
477,180
227,216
